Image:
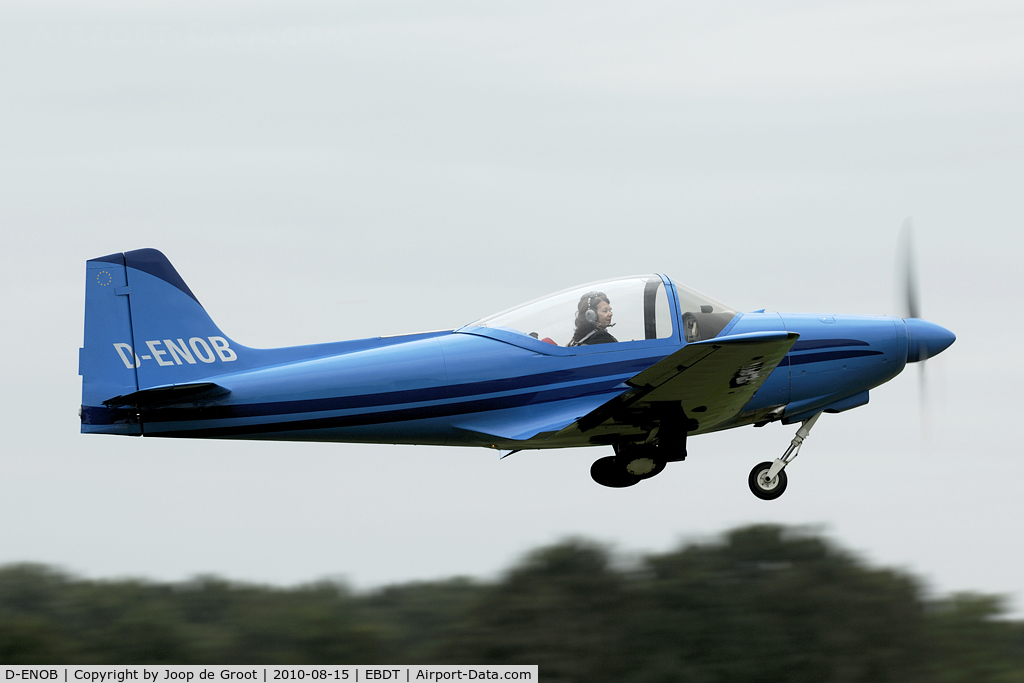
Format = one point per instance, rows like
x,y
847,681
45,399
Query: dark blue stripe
x,y
382,417
826,344
805,358
96,415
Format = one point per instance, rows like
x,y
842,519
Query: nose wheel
x,y
768,480
765,487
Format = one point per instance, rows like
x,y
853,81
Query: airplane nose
x,y
925,339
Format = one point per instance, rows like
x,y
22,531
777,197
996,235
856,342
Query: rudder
x,y
107,324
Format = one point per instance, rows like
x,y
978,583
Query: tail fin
x,y
144,328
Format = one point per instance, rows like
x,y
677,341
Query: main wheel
x,y
639,460
764,488
643,467
610,472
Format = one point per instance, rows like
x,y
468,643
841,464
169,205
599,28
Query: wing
x,y
710,381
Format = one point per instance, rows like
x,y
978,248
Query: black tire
x,y
767,490
611,473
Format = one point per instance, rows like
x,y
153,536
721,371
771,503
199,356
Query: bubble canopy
x,y
642,310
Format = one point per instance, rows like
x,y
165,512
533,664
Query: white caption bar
x,y
160,673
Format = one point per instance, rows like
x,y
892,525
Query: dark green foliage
x,y
413,617
965,629
772,606
48,617
765,603
562,609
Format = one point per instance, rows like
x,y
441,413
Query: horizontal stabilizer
x,y
170,395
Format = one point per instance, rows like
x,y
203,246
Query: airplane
x,y
675,364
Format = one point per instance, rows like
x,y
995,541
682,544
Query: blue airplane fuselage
x,y
436,388
154,363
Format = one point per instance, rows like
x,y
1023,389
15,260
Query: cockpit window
x,y
703,317
639,309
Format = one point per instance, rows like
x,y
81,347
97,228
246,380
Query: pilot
x,y
593,318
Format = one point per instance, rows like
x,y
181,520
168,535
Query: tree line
x,y
763,603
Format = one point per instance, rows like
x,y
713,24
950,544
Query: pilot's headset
x,y
589,314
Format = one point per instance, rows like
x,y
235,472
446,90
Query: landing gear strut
x,y
768,480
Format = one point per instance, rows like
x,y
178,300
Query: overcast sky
x,y
323,171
